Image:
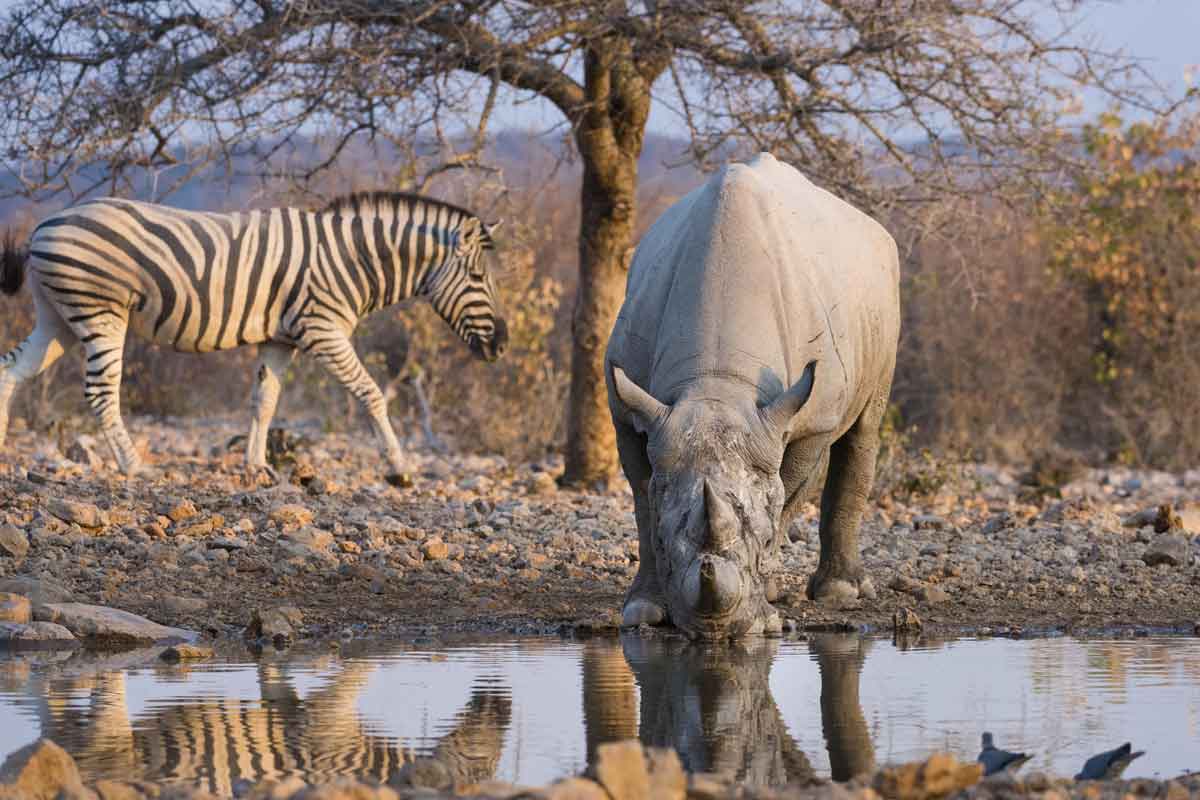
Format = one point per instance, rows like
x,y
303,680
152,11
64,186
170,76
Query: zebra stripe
x,y
282,278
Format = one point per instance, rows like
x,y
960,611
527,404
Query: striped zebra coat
x,y
281,278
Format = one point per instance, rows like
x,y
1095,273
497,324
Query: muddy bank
x,y
480,544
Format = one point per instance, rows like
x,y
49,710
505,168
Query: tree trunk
x,y
609,134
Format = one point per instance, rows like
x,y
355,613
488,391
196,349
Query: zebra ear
x,y
490,230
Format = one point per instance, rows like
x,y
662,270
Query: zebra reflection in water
x,y
215,742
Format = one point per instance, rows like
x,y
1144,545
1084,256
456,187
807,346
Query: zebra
x,y
285,279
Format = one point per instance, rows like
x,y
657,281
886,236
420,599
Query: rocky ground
x,y
623,770
481,544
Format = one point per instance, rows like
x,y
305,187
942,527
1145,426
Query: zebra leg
x,y
336,354
50,339
273,360
102,390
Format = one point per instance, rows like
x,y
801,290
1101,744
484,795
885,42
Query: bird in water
x,y
1108,765
996,760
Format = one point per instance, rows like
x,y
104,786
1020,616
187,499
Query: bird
x,y
1108,765
996,760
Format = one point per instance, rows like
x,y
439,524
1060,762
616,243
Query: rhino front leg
x,y
645,601
839,576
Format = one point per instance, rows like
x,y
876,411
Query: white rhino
x,y
756,345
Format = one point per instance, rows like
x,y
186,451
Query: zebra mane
x,y
384,201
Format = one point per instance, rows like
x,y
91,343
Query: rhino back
x,y
754,274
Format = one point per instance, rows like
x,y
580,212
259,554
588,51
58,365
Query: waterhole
x,y
529,711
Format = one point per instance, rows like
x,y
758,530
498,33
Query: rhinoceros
x,y
753,355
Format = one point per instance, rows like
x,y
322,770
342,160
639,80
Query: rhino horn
x,y
645,411
719,586
780,412
722,521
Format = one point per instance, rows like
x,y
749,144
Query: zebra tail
x,y
12,263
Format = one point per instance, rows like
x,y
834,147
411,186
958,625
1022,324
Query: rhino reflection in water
x,y
213,742
715,708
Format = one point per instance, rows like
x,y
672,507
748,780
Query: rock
x,y
36,635
103,626
41,771
174,604
275,790
938,776
85,515
290,514
39,591
573,789
621,769
932,594
435,549
541,483
904,585
279,624
306,541
667,778
13,542
347,789
928,522
15,608
186,652
1172,549
426,773
84,451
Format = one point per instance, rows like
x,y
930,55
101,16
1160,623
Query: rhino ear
x,y
780,412
642,409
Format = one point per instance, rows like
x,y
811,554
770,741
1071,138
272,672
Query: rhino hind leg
x,y
840,577
645,603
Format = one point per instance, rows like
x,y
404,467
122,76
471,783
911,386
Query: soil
x,y
480,544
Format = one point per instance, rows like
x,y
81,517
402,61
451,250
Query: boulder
x,y
39,590
621,769
41,771
85,515
280,623
15,608
111,627
940,775
186,652
13,542
1172,549
36,635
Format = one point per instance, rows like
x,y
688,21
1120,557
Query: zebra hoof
x,y
262,475
401,480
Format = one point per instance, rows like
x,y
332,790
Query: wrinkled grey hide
x,y
755,346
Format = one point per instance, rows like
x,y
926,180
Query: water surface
x,y
530,711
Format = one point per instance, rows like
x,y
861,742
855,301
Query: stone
x,y
13,542
573,789
15,608
541,483
708,786
347,789
426,773
932,594
621,769
928,522
84,450
186,652
435,549
276,790
36,636
103,626
275,623
39,590
85,515
290,514
305,542
1172,549
41,771
939,775
667,778
120,790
